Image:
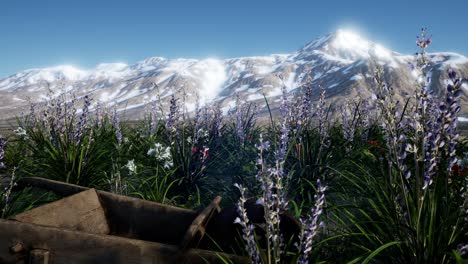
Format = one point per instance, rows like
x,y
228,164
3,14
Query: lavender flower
x,y
198,131
273,198
239,119
321,115
217,119
448,117
247,227
83,123
311,225
423,41
462,249
263,146
245,119
99,115
393,125
366,119
3,143
280,154
348,126
306,104
7,193
118,130
173,118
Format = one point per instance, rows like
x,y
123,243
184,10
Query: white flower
x,y
162,154
203,133
168,164
151,152
21,132
131,166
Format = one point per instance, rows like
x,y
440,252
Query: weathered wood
x,y
39,256
145,220
60,188
80,212
196,231
127,216
71,247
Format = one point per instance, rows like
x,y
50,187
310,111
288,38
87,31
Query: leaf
x,y
378,250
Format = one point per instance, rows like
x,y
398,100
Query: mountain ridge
x,y
340,61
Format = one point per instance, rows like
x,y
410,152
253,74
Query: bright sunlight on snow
x,y
212,75
349,40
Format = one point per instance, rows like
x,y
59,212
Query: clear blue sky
x,y
39,33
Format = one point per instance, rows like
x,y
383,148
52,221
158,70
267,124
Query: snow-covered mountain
x,y
340,62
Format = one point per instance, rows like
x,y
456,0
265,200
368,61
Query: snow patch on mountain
x,y
212,75
111,71
356,77
52,74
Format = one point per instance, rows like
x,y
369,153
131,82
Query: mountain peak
x,y
346,45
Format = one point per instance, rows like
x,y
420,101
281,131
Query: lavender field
x,y
378,180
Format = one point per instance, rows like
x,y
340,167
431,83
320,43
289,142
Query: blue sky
x,y
84,33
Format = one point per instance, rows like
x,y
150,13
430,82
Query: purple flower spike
x,y
118,130
311,225
3,143
247,227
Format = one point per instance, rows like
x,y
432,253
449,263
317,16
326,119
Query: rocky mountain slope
x,y
339,62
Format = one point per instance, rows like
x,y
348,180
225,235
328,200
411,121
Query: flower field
x,y
372,181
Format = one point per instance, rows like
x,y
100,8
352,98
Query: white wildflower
x,y
131,166
21,133
162,154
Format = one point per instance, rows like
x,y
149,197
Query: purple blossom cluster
x,y
3,143
449,110
214,120
321,115
60,119
311,225
429,134
83,124
98,113
173,118
285,128
7,193
273,197
423,41
366,119
348,122
434,118
248,229
304,107
245,118
118,129
197,123
239,120
390,118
